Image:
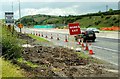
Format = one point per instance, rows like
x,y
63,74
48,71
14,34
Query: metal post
x,y
20,14
119,14
106,8
13,20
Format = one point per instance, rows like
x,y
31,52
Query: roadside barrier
x,y
90,49
66,40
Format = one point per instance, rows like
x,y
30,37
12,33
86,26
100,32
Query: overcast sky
x,y
55,7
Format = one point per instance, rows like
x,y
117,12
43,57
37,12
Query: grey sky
x,y
56,8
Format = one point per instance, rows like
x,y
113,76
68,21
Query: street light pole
x,y
119,14
20,14
12,20
106,8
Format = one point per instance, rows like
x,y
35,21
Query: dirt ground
x,y
60,62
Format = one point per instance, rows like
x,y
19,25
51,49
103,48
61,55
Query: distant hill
x,y
100,19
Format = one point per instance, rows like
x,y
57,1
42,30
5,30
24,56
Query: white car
x,y
93,29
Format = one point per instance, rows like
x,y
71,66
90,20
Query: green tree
x,y
110,10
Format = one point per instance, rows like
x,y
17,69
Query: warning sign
x,y
74,28
20,25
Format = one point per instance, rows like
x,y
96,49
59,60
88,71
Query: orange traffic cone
x,y
86,47
46,36
42,34
36,33
39,34
90,50
82,43
79,41
51,36
58,37
66,39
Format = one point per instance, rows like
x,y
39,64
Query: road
x,y
104,48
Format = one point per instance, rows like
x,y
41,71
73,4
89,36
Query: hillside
x,y
100,19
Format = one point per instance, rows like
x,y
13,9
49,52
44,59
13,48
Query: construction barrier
x,y
87,47
113,28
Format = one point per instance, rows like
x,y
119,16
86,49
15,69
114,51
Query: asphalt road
x,y
104,48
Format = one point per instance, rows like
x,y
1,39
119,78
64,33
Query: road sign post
x,y
74,29
20,26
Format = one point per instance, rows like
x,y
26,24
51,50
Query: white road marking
x,y
106,49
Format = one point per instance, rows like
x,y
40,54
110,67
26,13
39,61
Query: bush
x,y
108,17
10,45
117,21
114,18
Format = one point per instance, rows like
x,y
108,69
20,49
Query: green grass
x,y
86,56
10,70
38,38
21,60
82,55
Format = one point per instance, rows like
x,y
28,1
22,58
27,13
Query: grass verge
x,y
10,70
38,38
86,56
21,60
82,55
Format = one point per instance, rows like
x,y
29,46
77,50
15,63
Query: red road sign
x,y
74,28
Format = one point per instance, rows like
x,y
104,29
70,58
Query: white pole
x,y
19,14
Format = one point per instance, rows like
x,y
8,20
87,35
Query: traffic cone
x,y
82,43
39,34
79,41
36,33
90,50
51,36
86,47
46,36
66,39
42,34
58,37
